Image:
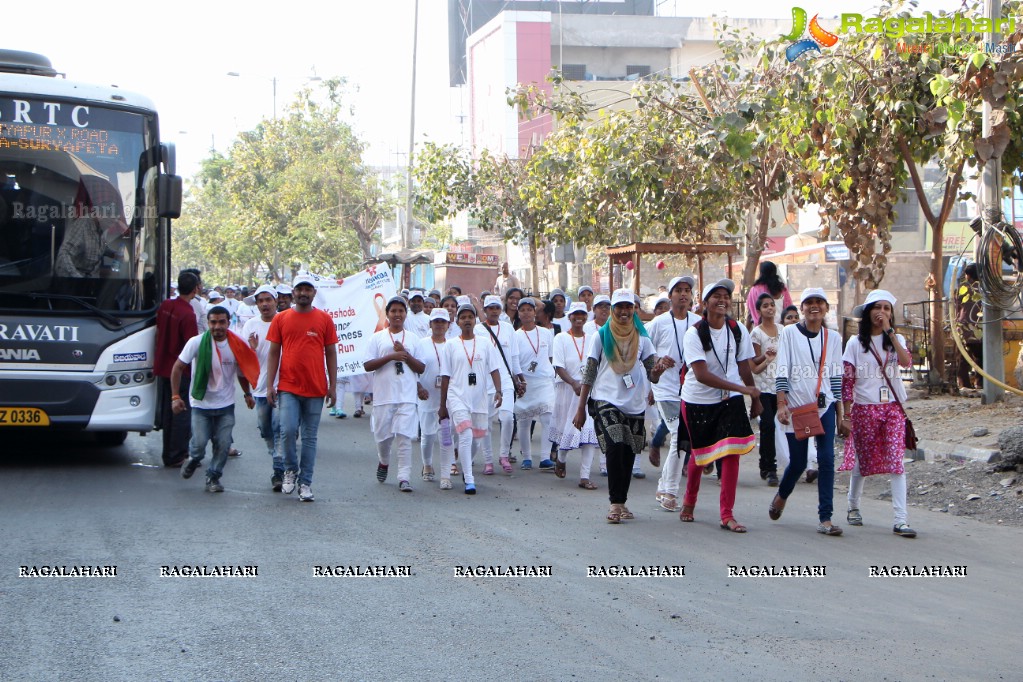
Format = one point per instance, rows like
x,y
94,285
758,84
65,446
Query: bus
x,y
87,193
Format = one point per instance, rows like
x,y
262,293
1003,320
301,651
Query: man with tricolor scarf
x,y
216,356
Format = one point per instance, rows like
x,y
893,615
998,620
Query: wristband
x,y
175,397
248,395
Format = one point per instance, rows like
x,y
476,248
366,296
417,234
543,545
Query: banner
x,y
356,304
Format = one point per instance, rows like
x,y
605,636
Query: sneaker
x,y
546,465
305,493
445,484
288,485
470,489
404,486
341,415
527,464
904,530
213,486
603,472
276,482
811,475
772,480
488,469
234,452
637,474
854,518
191,464
381,472
333,412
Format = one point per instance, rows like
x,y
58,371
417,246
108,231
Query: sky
x,y
179,55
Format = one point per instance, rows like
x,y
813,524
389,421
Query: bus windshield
x,y
78,225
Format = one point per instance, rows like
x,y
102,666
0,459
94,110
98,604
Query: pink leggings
x,y
729,479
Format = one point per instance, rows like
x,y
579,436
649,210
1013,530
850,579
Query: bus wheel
x,y
111,438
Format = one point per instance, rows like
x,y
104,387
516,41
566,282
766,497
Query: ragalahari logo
x,y
818,36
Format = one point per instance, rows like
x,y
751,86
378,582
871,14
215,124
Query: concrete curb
x,y
934,450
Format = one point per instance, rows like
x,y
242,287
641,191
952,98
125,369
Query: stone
x,y
978,433
1008,482
1010,441
972,496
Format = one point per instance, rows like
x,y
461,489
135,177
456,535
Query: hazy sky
x,y
179,55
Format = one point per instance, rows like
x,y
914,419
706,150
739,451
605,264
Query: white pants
x,y
671,463
403,448
447,454
585,461
898,494
525,441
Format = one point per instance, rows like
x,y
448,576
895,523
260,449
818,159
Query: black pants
x,y
620,460
768,453
176,428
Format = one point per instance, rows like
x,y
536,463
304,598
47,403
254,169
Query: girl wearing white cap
x,y
501,336
533,346
620,364
431,350
601,311
717,351
569,351
873,394
394,366
809,372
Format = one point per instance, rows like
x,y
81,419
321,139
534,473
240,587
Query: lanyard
x,y
392,336
436,353
467,356
578,350
728,349
674,328
536,348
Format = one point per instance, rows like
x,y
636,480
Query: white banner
x,y
357,306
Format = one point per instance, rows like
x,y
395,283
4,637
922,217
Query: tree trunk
x,y
937,350
534,263
755,245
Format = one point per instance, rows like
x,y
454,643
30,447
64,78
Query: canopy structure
x,y
406,257
626,252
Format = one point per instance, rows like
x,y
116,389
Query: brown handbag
x,y
806,419
910,438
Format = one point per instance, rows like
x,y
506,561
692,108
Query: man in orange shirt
x,y
303,347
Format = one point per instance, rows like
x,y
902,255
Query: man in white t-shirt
x,y
418,321
214,372
501,335
601,311
267,416
667,333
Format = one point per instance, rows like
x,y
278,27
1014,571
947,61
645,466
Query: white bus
x,y
87,192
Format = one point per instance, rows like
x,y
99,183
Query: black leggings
x,y
620,460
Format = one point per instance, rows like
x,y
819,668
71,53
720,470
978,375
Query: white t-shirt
x,y
219,396
570,354
430,354
199,306
245,313
722,361
506,335
869,378
259,327
765,380
798,363
535,346
456,366
667,335
389,387
418,324
611,387
591,327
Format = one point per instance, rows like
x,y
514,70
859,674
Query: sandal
x,y
626,514
585,484
505,464
454,470
614,514
669,503
488,469
774,511
358,413
708,469
445,484
733,526
428,474
686,515
829,530
560,469
854,518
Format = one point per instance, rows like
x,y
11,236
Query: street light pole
x,y
406,235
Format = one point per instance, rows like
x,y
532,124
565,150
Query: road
x,y
70,503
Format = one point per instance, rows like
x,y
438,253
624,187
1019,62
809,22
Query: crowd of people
x,y
452,371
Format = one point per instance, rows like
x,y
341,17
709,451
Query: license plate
x,y
23,416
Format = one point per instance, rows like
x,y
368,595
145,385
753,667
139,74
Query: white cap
x,y
622,296
463,307
578,307
663,296
283,290
557,292
463,300
216,295
303,279
439,314
726,284
813,292
601,298
688,279
413,294
528,300
492,300
584,288
263,289
879,295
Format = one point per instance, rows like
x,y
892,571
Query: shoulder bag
x,y
910,439
806,420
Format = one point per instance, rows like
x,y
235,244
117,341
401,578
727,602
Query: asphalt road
x,y
71,503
